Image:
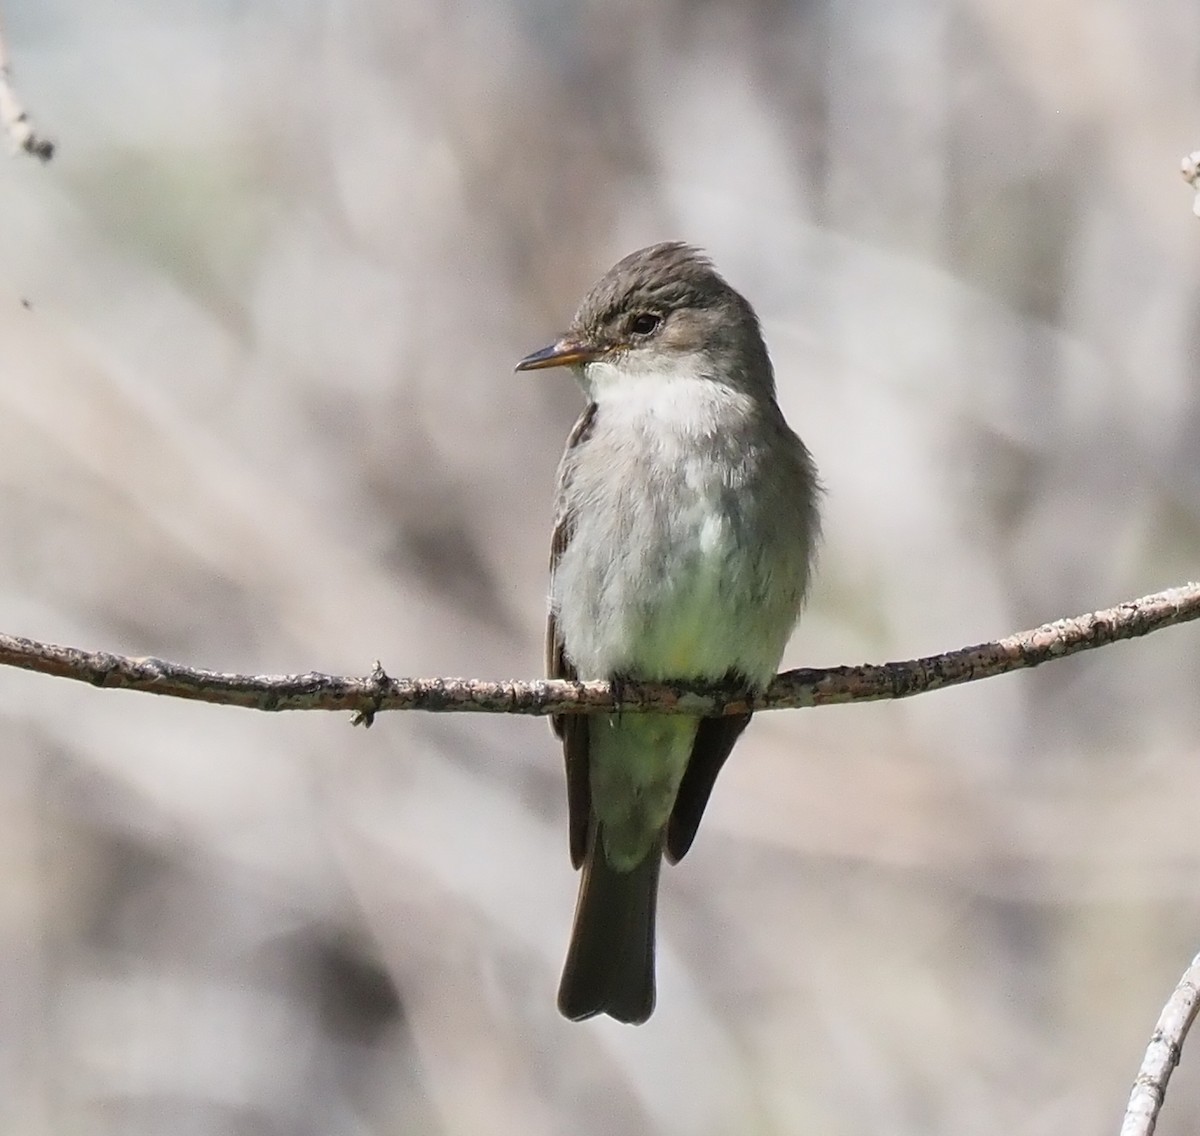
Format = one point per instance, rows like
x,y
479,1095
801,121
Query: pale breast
x,y
690,544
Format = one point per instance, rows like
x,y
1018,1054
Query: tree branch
x,y
13,118
1162,1055
1190,168
805,687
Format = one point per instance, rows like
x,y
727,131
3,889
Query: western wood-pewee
x,y
686,518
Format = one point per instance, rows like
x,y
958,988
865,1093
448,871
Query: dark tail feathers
x,y
610,962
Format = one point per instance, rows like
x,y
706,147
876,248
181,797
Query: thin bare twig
x,y
1190,168
13,118
806,687
1162,1055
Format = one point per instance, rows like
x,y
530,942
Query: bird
x,y
685,525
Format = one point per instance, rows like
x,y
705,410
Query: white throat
x,y
675,391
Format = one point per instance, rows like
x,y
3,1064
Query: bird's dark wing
x,y
715,739
571,728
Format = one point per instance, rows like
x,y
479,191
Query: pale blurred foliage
x,y
259,415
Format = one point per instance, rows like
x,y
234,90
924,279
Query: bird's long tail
x,y
610,962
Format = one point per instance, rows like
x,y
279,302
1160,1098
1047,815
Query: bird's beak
x,y
566,352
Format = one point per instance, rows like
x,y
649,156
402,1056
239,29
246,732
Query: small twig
x,y
13,117
380,678
1162,1055
1191,174
806,687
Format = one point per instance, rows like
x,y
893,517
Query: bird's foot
x,y
619,685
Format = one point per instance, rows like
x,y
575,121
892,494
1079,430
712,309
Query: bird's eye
x,y
644,323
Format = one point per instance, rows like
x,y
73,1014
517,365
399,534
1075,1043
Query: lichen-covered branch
x,y
378,691
1162,1055
13,119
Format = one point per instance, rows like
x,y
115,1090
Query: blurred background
x,y
257,325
